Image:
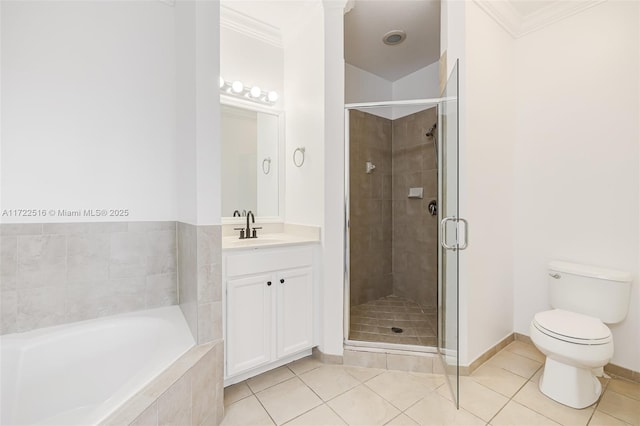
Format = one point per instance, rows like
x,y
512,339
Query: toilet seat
x,y
572,327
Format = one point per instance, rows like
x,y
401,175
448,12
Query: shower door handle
x,y
443,233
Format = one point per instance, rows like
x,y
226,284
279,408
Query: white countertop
x,y
267,240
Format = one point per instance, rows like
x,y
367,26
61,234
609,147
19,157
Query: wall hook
x,y
266,165
298,159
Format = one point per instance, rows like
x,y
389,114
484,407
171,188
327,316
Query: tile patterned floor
x,y
503,391
372,322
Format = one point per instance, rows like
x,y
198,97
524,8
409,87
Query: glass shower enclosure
x,y
403,230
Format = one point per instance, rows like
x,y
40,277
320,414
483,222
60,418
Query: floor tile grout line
x,y
513,396
266,411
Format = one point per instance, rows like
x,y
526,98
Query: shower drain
x,y
396,329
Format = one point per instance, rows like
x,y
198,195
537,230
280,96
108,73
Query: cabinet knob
x,y
282,280
268,282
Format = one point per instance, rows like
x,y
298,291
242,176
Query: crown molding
x,y
249,26
518,25
555,12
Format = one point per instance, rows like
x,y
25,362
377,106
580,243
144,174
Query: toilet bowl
x,y
576,346
573,336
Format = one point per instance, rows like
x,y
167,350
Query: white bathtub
x,y
77,374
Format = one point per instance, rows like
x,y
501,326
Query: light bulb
x,y
272,96
255,92
237,86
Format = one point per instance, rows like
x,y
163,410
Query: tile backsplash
x,y
56,273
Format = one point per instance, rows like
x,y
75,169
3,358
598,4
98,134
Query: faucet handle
x,y
254,234
242,230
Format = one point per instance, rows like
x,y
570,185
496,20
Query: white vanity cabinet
x,y
269,306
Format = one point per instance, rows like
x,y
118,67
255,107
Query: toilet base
x,y
569,385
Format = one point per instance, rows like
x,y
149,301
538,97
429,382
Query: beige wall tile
x,y
149,417
174,406
419,364
365,359
40,307
20,229
204,389
8,311
8,257
209,322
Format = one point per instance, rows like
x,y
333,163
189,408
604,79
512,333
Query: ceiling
x,y
369,20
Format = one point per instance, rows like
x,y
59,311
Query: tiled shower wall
x,y
370,207
56,273
200,276
415,231
393,238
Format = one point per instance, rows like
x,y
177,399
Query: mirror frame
x,y
252,106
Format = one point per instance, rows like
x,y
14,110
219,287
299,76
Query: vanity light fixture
x,y
251,93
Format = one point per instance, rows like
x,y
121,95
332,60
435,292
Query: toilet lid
x,y
572,325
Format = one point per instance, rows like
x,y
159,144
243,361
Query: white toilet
x,y
573,335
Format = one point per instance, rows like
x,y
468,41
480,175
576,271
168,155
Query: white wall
x,y
304,101
88,106
332,294
487,191
252,61
421,84
111,105
577,157
363,86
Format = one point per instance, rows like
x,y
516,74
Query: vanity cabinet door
x,y
249,322
295,310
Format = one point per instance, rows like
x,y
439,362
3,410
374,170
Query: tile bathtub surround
x,y
503,391
189,392
200,279
56,273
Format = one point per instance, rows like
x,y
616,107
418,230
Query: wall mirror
x,y
252,141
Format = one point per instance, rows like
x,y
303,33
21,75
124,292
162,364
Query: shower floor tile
x,y
373,322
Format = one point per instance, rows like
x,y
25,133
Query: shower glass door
x,y
450,241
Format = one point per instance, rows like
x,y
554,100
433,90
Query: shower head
x,y
429,133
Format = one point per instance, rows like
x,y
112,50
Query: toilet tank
x,y
589,290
